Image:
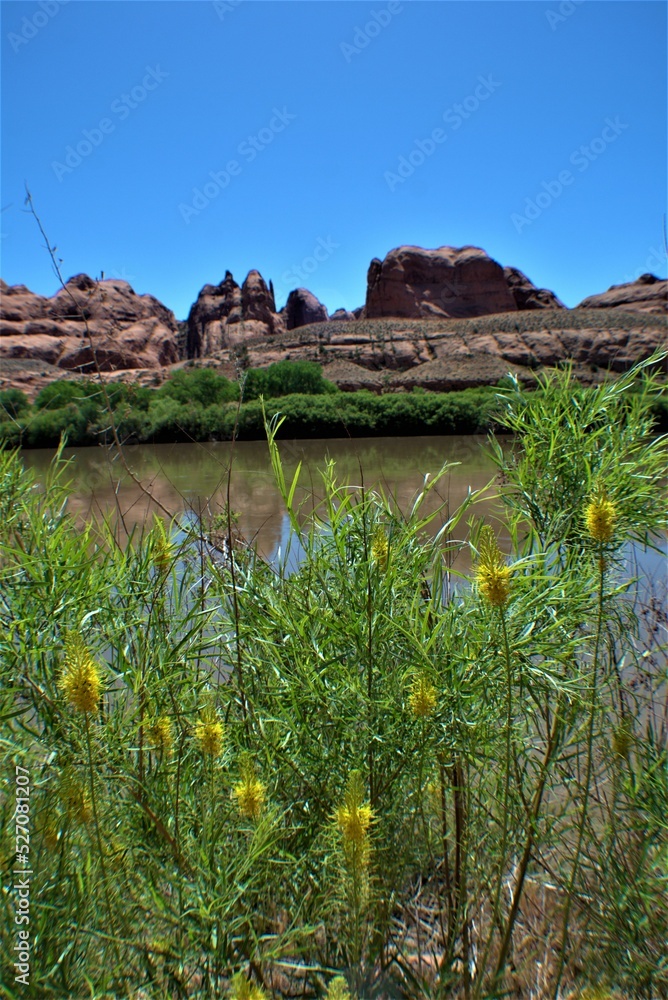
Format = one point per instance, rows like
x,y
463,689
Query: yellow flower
x,y
423,697
75,799
380,548
161,734
80,681
353,817
600,516
162,550
243,989
492,575
338,989
622,740
50,836
209,732
250,793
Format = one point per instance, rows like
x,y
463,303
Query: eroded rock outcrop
x,y
226,315
647,294
86,318
447,282
302,308
525,293
341,316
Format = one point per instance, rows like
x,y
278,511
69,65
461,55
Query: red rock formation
x,y
127,330
525,293
257,302
303,308
647,294
341,316
447,282
226,315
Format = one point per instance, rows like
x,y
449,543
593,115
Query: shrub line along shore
x,y
202,405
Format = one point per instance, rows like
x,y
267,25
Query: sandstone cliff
x,y
647,294
127,330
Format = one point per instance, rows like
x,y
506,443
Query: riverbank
x,y
200,405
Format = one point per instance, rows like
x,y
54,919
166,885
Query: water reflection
x,y
194,476
186,477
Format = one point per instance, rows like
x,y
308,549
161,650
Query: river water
x,y
194,476
186,477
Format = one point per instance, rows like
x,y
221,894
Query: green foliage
x,y
146,415
56,395
285,378
91,399
201,405
45,427
569,438
13,403
457,784
201,387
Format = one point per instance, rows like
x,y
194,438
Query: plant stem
x,y
460,868
533,817
494,918
588,772
99,839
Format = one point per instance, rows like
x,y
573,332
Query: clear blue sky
x,y
314,105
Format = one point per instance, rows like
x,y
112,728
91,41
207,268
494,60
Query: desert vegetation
x,y
367,777
199,404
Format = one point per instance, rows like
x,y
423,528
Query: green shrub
x,y
60,393
11,433
13,403
44,428
89,397
201,387
285,378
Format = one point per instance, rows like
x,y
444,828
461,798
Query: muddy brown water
x,y
194,476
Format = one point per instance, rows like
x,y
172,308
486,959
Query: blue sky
x,y
167,142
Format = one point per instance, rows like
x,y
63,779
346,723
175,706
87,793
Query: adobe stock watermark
x,y
565,10
454,116
297,274
249,149
581,158
224,7
31,26
363,36
121,108
22,872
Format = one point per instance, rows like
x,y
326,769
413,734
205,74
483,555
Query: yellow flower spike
x,y
161,734
423,697
243,989
75,799
492,575
209,732
250,793
338,989
622,739
80,682
352,816
380,548
600,516
162,550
